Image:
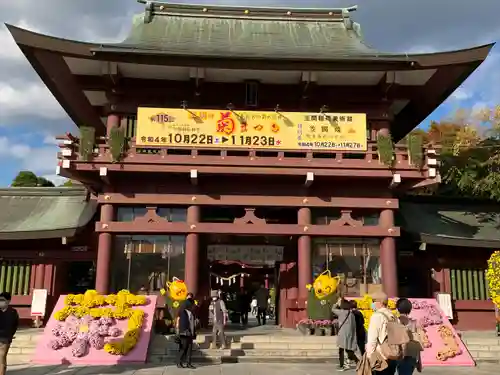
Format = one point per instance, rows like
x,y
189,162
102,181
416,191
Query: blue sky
x,y
30,117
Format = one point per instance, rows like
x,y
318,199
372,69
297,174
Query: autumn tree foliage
x,y
470,153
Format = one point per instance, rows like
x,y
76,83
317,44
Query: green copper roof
x,y
466,225
273,33
33,213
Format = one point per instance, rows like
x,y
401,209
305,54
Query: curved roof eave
x,y
32,39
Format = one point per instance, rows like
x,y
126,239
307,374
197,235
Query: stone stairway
x,y
256,345
275,346
483,346
23,347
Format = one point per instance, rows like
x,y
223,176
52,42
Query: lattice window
x,y
469,284
15,277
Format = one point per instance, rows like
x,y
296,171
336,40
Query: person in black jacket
x,y
9,321
360,327
186,331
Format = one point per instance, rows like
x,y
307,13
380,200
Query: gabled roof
x,y
36,213
180,29
441,222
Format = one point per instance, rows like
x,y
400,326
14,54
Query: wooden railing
x,y
340,159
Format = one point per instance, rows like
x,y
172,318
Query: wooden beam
x,y
396,180
246,200
309,179
56,75
141,88
193,175
233,170
245,229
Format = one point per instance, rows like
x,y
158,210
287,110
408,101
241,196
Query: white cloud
x,y
484,84
461,94
40,160
57,180
28,99
10,50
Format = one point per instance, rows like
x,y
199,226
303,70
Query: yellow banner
x,y
251,129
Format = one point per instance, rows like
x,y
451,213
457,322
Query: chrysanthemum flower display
x,y
364,305
493,277
87,320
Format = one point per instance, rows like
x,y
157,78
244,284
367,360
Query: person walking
x,y
9,321
254,306
262,296
378,333
346,337
186,332
218,317
412,359
360,327
244,306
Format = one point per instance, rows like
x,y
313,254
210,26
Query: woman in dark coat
x,y
360,327
186,331
346,337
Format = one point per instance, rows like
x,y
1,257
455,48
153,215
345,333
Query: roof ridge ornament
x,y
172,8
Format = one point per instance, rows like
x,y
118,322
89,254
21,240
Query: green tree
x,y
471,166
29,179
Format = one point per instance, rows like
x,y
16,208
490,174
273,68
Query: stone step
x,y
22,350
284,353
285,345
249,359
18,359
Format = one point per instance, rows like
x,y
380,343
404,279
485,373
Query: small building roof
x,y
440,222
36,213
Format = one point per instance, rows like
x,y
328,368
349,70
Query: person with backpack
x,y
346,336
386,337
412,360
218,317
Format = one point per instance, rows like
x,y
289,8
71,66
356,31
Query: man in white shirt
x,y
377,330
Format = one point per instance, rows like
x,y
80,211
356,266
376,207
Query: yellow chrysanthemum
x,y
493,277
93,304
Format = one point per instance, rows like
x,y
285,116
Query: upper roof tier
x,y
171,44
267,33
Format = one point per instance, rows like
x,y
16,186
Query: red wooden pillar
x,y
39,276
104,248
304,254
192,253
388,258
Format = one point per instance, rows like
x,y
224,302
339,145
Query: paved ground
x,y
228,369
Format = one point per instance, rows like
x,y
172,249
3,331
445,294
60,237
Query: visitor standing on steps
x,y
262,296
346,337
9,321
218,318
186,331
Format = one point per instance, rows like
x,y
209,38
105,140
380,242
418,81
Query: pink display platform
x,y
429,354
45,355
